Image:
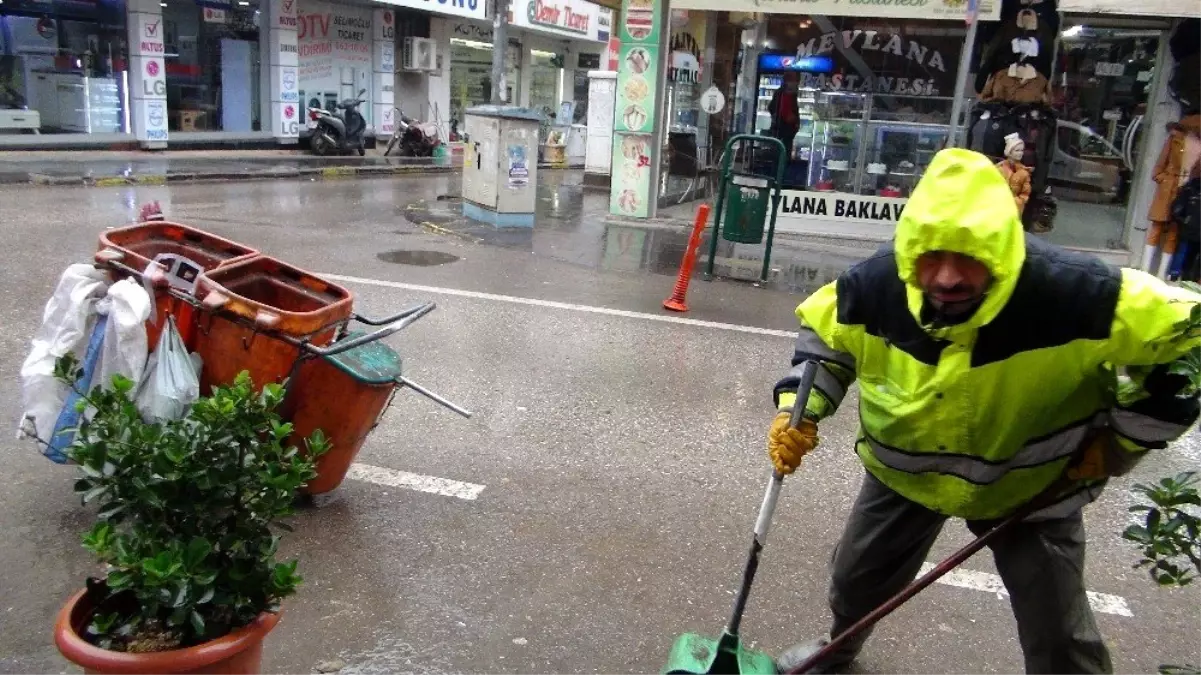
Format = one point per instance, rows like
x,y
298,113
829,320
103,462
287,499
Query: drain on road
x,y
419,258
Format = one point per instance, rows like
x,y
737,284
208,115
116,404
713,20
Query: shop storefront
x,y
1081,84
471,66
63,69
212,56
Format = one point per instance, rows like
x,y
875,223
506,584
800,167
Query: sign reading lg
x,y
289,125
154,84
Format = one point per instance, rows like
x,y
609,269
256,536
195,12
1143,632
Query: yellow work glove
x,y
1097,459
786,446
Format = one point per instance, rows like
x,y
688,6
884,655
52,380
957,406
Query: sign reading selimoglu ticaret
x,y
639,63
990,10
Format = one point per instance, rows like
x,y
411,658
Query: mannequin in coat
x,y
1016,173
1178,161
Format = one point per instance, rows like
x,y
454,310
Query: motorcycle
x,y
339,135
413,138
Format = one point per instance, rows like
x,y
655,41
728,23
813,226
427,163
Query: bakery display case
x,y
837,140
873,144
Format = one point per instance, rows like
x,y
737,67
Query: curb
x,y
323,173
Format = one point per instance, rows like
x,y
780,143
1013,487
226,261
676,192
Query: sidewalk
x,y
105,168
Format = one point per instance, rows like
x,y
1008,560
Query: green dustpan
x,y
694,654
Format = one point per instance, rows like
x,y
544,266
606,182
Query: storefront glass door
x,y
1100,89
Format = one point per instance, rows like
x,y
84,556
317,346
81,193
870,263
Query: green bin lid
x,y
373,363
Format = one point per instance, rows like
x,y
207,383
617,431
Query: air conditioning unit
x,y
419,54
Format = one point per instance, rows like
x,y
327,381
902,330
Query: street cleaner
x,y
988,366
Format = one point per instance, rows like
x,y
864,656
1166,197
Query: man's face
x,y
952,282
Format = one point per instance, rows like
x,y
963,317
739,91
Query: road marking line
x,y
446,487
533,302
991,583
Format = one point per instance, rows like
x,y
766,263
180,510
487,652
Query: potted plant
x,y
185,527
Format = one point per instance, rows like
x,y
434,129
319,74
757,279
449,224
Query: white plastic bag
x,y
171,382
66,326
125,343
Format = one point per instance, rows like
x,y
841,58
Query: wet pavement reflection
x,y
571,225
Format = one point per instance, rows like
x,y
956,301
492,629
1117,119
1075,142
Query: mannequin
x,y
1016,173
1178,161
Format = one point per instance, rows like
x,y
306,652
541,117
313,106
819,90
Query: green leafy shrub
x,y
186,512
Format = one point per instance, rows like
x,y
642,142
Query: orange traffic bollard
x,y
676,302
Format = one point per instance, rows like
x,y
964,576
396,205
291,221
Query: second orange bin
x,y
141,243
276,298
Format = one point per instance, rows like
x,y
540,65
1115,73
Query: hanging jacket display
x,y
1017,84
1173,168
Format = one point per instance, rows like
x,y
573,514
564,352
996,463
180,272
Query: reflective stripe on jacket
x,y
973,419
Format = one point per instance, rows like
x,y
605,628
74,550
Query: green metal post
x,y
721,199
781,162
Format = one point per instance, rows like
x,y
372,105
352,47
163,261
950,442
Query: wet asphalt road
x,y
621,457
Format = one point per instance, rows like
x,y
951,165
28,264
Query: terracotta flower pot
x,y
236,653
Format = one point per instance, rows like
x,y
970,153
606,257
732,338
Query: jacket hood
x,y
963,205
1191,123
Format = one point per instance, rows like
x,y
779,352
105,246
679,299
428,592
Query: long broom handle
x,y
763,522
1047,497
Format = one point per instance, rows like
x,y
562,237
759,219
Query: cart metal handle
x,y
406,382
409,317
387,319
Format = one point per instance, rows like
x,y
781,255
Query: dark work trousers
x,y
887,538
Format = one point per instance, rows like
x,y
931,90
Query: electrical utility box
x,y
500,165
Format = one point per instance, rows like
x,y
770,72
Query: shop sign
x,y
385,26
214,15
472,9
150,35
634,151
1110,69
334,41
286,10
288,92
289,123
155,120
471,31
839,206
712,101
897,64
154,83
604,24
989,10
574,18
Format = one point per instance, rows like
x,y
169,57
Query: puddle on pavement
x,y
418,258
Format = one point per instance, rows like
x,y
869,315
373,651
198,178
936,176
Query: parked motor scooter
x,y
413,138
339,135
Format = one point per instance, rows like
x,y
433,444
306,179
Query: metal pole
x,y
965,69
500,51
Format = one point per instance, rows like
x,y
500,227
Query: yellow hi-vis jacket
x,y
971,420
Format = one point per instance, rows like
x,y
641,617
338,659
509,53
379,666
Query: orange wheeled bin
x,y
140,244
257,312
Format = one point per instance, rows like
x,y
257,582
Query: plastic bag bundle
x,y
171,381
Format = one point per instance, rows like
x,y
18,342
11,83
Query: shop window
x,y
471,74
212,58
869,113
63,71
